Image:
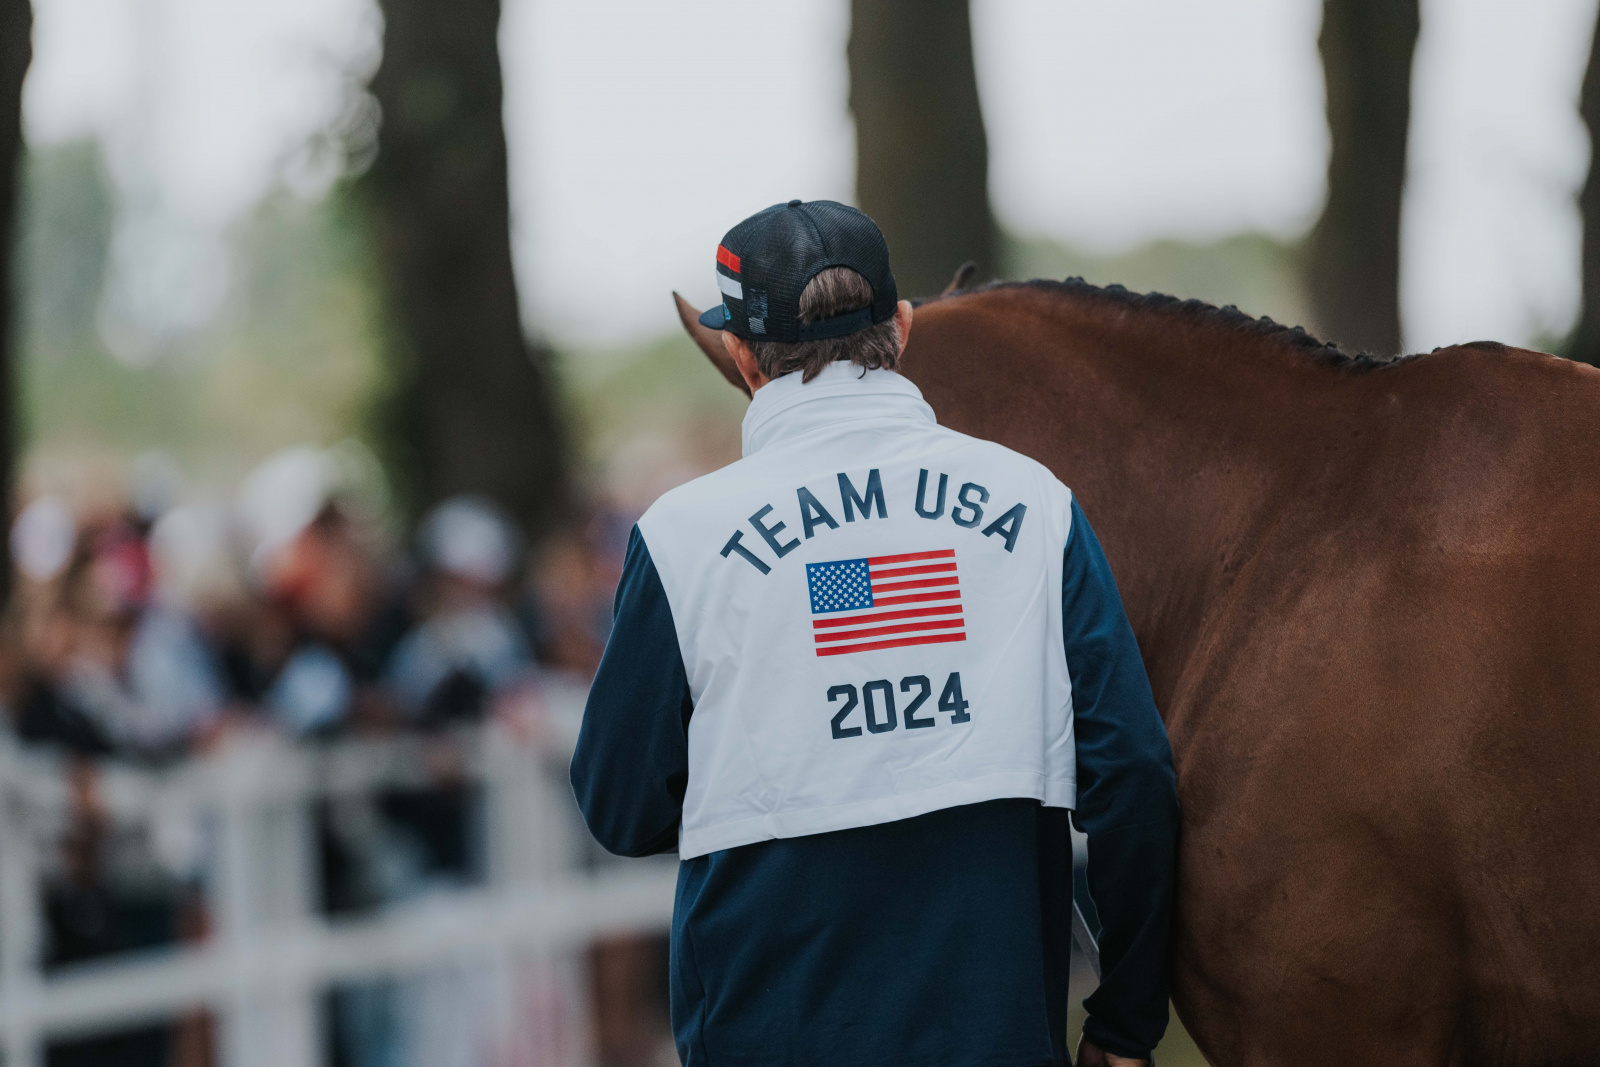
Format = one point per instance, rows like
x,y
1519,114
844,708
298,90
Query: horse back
x,y
1390,729
1384,705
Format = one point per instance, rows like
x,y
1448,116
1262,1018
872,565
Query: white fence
x,y
244,818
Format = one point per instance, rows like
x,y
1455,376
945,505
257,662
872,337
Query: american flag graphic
x,y
887,601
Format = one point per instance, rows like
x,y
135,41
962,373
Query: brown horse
x,y
1368,597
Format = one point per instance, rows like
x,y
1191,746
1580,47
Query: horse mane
x,y
1199,312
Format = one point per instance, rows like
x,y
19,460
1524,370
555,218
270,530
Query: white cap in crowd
x,y
469,537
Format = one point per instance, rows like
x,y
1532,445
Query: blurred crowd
x,y
147,627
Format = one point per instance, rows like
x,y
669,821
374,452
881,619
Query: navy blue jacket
x,y
937,941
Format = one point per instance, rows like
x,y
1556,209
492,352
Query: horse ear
x,y
963,276
709,342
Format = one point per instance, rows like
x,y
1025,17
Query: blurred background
x,y
337,359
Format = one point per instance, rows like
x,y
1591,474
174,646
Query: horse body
x,y
1368,598
1369,601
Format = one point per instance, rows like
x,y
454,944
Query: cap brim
x,y
715,318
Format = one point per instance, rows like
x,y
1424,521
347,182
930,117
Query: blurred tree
x,y
474,409
16,52
1353,267
1584,344
922,158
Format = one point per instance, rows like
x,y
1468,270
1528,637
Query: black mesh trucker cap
x,y
764,262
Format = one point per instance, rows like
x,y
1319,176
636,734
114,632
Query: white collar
x,y
782,407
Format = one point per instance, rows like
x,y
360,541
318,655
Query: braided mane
x,y
1200,312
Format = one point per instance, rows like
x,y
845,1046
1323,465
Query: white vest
x,y
864,642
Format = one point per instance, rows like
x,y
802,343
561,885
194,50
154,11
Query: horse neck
x,y
1181,441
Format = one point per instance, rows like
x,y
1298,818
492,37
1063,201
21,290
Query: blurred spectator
x,y
574,578
200,577
320,566
140,670
468,645
42,539
104,669
42,634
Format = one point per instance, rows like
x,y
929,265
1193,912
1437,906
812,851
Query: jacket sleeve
x,y
632,761
1127,803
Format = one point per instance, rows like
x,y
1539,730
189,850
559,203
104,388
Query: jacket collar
x,y
785,407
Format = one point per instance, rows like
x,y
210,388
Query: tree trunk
x,y
922,159
474,409
1353,268
16,52
1585,343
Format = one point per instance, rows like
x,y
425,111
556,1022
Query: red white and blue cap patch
x,y
731,287
728,282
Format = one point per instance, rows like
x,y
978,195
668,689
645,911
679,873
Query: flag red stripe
x,y
900,587
906,572
878,561
916,598
879,631
885,616
728,259
929,639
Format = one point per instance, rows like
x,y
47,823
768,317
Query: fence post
x,y
264,898
539,1013
530,813
21,929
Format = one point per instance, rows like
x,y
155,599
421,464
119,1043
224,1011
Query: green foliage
x,y
1256,273
659,395
67,214
296,353
289,358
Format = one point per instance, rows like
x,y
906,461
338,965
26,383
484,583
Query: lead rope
x,y
1085,940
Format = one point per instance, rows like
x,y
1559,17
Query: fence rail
x,y
244,817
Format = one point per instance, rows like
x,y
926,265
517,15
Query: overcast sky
x,y
641,131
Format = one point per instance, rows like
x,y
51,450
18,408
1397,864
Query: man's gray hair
x,y
835,291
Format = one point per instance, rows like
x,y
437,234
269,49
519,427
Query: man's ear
x,y
745,360
902,319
